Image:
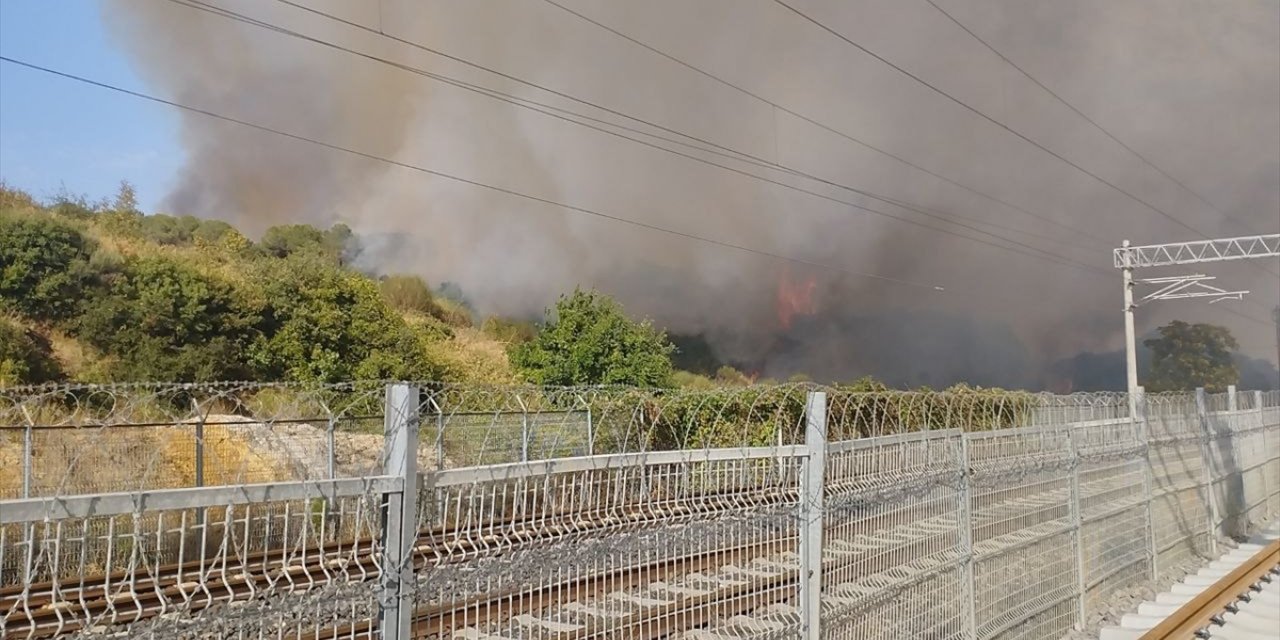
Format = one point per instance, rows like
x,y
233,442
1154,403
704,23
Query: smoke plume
x,y
1194,87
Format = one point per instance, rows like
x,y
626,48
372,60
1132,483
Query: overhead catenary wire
x,y
988,118
745,91
476,183
1018,248
1003,126
710,146
826,127
720,150
1137,154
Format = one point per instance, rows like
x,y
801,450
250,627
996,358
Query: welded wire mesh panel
x,y
1114,533
1270,417
1239,459
74,439
892,545
1225,471
1180,507
643,545
241,569
1023,541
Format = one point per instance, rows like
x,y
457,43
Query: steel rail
x,y
1201,610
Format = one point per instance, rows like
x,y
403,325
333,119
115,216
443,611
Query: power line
x,y
1001,125
524,103
518,101
1092,122
716,148
496,188
773,165
822,125
988,118
468,181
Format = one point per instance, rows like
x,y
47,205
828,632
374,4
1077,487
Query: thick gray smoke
x,y
1195,87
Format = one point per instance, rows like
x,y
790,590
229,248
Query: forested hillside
x,y
100,292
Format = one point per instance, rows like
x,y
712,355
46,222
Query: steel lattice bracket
x,y
1179,287
1175,253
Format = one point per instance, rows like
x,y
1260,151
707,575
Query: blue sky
x,y
57,133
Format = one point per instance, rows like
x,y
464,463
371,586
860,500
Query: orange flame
x,y
795,298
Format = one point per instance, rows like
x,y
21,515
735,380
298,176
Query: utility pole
x,y
1127,258
1275,315
1130,338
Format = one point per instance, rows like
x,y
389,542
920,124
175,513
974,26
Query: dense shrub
x,y
164,320
26,357
43,266
325,324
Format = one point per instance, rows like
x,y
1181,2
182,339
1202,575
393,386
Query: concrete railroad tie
x,y
1258,619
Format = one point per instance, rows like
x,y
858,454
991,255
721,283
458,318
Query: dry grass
x,y
476,358
92,460
79,361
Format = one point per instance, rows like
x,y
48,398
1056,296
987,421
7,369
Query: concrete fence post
x,y
810,515
399,512
1206,454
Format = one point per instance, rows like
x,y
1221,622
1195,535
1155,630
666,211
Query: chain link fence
x,y
380,510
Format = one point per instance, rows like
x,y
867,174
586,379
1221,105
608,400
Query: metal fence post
x,y
1232,405
439,439
1077,524
28,440
1148,479
1267,489
964,526
591,433
524,430
200,451
810,515
1206,453
333,470
400,510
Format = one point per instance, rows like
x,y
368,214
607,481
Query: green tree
x,y
164,320
590,340
1186,356
126,200
303,239
43,266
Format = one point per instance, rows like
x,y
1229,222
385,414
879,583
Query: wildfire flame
x,y
795,298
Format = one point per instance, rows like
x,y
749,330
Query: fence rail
x,y
775,512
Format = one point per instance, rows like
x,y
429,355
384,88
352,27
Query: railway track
x,y
51,608
746,590
1234,598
